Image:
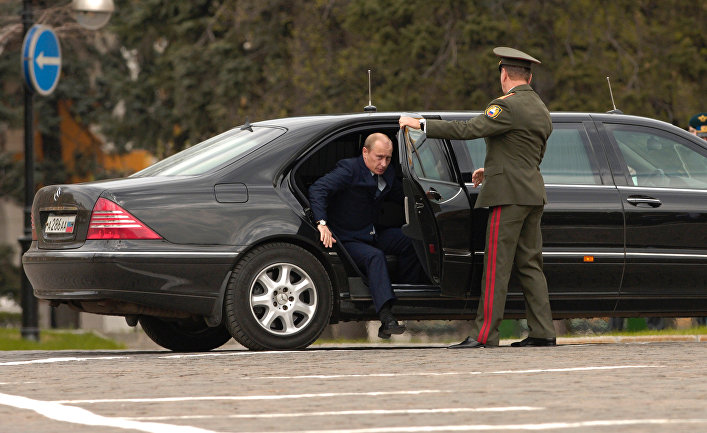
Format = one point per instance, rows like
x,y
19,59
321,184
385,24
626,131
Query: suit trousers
x,y
513,243
370,259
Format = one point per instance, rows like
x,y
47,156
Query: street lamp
x,y
91,14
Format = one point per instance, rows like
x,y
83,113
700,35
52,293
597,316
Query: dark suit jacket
x,y
346,199
516,127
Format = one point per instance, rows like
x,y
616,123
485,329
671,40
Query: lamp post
x,y
30,317
92,14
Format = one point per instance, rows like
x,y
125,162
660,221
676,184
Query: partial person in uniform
x,y
698,125
516,127
348,199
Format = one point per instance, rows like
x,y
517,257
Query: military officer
x,y
698,125
515,127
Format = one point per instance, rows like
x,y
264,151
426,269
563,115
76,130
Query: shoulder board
x,y
506,96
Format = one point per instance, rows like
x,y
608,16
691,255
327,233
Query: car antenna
x,y
370,108
615,110
247,126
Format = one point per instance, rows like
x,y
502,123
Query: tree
x,y
165,75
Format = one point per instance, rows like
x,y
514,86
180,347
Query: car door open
x,y
437,211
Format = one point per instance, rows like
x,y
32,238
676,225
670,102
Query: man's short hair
x,y
376,136
517,73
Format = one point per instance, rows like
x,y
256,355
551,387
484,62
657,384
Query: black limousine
x,y
217,242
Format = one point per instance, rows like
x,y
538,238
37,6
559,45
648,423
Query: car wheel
x,y
278,297
184,335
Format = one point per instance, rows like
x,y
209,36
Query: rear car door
x,y
663,185
437,210
582,225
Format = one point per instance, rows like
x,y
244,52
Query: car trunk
x,y
61,214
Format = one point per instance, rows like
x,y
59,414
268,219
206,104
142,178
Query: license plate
x,y
60,224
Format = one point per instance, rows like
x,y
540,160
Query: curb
x,y
632,339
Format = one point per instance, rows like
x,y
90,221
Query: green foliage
x,y
11,339
165,75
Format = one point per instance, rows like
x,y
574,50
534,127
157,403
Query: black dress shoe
x,y
534,341
468,343
390,327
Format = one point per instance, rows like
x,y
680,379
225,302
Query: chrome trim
x,y
645,188
570,253
678,255
574,253
59,253
617,255
562,185
407,210
567,185
650,201
456,253
459,191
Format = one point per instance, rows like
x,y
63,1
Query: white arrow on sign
x,y
45,60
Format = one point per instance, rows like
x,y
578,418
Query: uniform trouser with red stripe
x,y
513,242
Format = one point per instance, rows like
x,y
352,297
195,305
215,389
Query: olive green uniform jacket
x,y
516,127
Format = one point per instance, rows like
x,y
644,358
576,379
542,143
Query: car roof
x,y
332,119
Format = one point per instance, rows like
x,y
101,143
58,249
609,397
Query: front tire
x,y
184,335
278,297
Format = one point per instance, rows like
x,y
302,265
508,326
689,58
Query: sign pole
x,y
30,310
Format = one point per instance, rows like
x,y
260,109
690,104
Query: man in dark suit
x,y
347,202
516,127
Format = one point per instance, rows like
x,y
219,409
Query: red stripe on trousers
x,y
490,274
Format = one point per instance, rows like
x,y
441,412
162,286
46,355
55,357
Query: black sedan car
x,y
218,241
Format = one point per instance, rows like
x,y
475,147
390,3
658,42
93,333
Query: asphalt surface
x,y
614,386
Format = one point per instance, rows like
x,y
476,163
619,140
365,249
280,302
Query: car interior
x,y
324,157
657,162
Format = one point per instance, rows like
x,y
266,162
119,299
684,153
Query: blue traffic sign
x,y
41,59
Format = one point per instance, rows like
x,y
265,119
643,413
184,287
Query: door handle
x,y
433,194
638,200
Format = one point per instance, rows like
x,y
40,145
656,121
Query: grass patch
x,y
11,339
698,330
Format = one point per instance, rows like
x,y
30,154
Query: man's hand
x,y
325,236
478,176
409,121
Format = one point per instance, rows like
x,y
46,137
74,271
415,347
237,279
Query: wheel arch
x,y
337,277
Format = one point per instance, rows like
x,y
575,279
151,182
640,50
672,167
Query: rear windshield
x,y
212,153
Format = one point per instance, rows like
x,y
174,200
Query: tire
x,y
279,297
184,335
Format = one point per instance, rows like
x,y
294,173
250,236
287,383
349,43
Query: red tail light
x,y
110,221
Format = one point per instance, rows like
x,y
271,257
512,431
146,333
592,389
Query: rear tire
x,y
279,297
184,335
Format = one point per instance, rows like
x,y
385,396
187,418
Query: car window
x,y
212,153
428,159
655,159
567,159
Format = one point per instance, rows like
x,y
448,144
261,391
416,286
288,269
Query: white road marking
x,y
243,353
347,412
75,415
510,427
453,373
562,370
67,359
251,397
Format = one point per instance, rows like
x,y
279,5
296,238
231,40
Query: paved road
x,y
636,387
